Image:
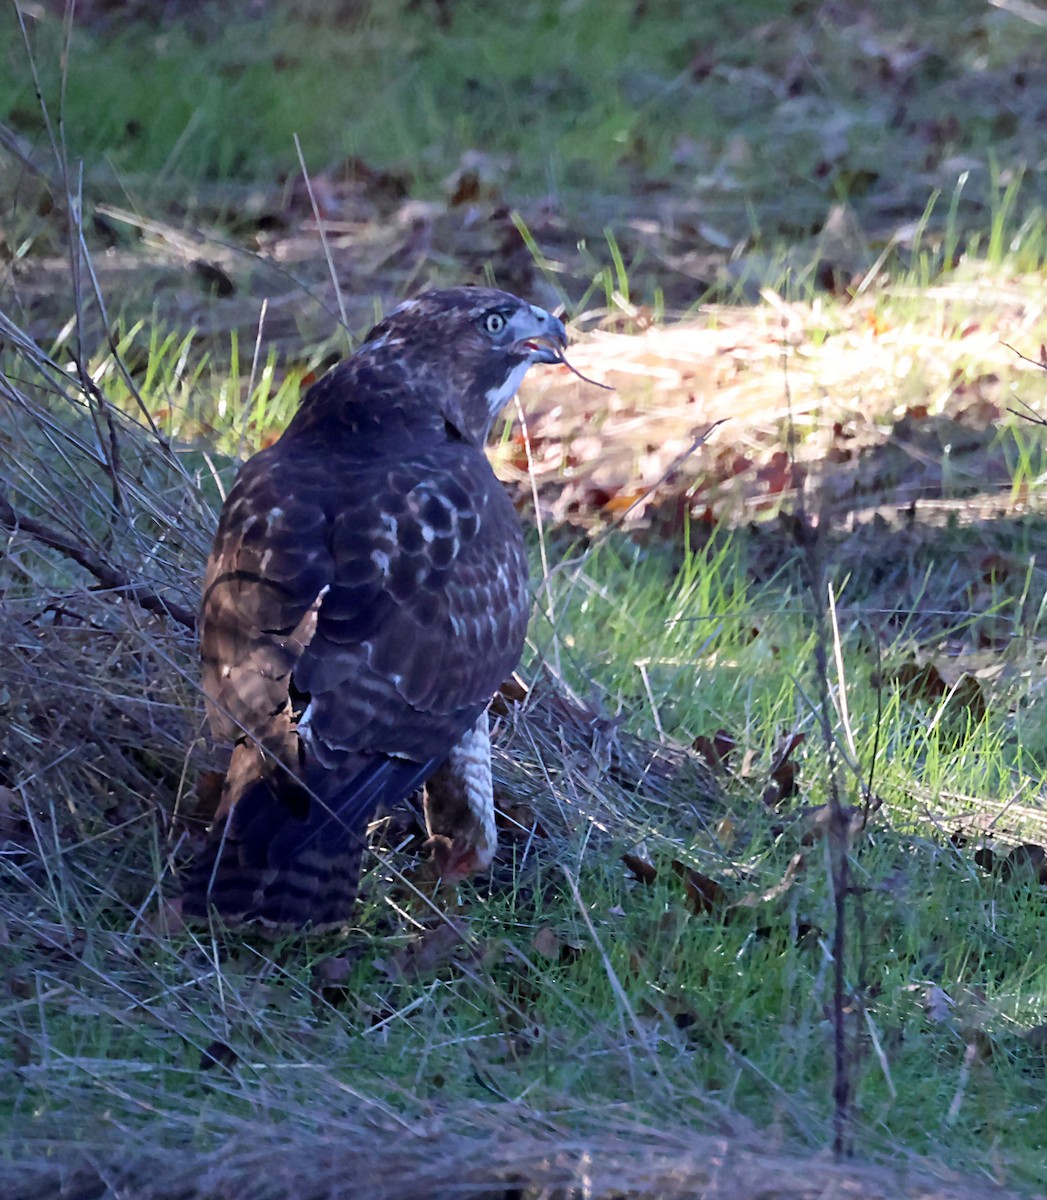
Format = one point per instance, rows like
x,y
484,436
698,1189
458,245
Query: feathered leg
x,y
459,807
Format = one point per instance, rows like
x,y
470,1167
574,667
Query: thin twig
x,y
550,611
808,540
323,234
839,825
107,575
572,563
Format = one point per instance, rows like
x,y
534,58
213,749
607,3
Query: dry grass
x,y
835,381
102,752
567,1035
488,1151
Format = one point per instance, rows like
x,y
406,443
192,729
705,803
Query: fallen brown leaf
x,y
166,920
335,969
784,771
716,750
330,977
1036,1037
927,683
513,691
431,950
218,1054
1025,863
796,866
704,894
812,824
642,870
546,943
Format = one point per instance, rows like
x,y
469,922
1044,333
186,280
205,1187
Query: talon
x,y
452,861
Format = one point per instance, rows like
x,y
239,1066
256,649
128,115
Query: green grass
x,y
233,401
769,120
642,1001
579,993
389,86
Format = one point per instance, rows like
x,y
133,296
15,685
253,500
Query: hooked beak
x,y
539,335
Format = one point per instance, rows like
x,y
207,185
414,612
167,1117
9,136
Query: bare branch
x,y
107,575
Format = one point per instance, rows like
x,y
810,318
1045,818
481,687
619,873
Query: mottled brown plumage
x,y
366,595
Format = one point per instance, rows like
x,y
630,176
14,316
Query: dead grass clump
x,y
107,530
106,533
483,1152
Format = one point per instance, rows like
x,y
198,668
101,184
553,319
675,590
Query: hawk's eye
x,y
494,322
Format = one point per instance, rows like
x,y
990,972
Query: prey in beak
x,y
549,347
544,350
541,336
544,340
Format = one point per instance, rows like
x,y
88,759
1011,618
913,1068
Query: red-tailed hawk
x,y
366,596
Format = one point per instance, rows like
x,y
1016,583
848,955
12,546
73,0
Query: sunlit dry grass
x,y
830,379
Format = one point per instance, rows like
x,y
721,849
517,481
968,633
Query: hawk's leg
x,y
459,807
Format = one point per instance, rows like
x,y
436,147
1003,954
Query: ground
x,y
827,235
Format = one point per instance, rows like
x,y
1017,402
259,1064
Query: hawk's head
x,y
466,349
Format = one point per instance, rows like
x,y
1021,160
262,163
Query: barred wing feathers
x,y
359,611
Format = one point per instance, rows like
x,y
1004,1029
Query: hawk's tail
x,y
289,856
